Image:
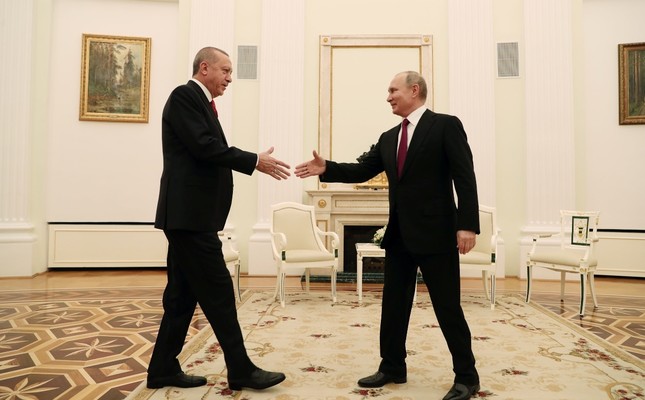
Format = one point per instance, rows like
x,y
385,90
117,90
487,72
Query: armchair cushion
x,y
307,255
475,257
229,255
560,256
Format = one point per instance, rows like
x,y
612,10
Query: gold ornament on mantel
x,y
378,182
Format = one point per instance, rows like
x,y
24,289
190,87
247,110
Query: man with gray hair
x,y
194,202
422,157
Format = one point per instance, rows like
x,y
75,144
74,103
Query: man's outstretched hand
x,y
272,166
314,167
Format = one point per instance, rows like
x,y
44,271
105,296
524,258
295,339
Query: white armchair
x,y
297,243
232,259
482,257
575,253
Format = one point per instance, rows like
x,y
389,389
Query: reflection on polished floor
x,y
89,333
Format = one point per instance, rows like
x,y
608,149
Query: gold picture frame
x,y
115,78
631,83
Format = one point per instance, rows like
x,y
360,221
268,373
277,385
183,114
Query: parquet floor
x,y
88,334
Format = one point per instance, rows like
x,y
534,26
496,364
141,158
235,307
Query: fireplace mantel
x,y
336,209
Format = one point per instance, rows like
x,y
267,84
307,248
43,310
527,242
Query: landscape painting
x,y
115,78
631,83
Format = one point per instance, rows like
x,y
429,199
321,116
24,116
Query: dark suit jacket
x,y
197,180
422,201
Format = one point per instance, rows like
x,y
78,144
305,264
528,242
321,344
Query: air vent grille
x,y
508,60
247,62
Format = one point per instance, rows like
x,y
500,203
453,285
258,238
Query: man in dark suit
x,y
426,229
194,201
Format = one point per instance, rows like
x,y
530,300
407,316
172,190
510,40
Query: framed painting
x,y
115,78
631,83
580,230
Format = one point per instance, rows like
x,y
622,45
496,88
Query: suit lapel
x,y
421,133
390,141
208,110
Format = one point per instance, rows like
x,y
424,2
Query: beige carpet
x,y
523,352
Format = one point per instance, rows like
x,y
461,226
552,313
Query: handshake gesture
x,y
280,170
272,166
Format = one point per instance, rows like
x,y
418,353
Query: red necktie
x,y
403,147
214,108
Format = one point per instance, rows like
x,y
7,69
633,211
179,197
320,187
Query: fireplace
x,y
360,234
355,212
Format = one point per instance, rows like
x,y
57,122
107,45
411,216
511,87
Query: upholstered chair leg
x,y
528,283
492,291
485,281
237,282
276,294
583,295
593,290
333,285
563,280
282,289
307,280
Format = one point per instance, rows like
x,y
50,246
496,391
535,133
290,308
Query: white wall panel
x,y
16,228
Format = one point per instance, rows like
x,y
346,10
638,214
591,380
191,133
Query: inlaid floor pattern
x,y
69,344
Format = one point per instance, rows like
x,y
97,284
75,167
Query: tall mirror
x,y
355,72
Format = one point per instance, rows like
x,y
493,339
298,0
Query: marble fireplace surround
x,y
336,209
339,208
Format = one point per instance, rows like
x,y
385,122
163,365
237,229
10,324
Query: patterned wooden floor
x,y
78,344
96,343
620,320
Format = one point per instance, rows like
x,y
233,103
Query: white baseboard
x,y
106,245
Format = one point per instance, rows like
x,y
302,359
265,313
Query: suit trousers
x,y
441,275
197,273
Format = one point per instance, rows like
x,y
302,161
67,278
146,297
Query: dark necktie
x,y
214,108
403,147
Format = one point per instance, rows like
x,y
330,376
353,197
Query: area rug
x,y
523,351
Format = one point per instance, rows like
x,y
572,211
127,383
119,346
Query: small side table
x,y
368,250
364,250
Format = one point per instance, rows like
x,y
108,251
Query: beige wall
x,y
611,156
94,171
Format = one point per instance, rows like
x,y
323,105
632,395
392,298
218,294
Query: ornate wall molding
x,y
204,32
281,122
16,228
550,152
471,66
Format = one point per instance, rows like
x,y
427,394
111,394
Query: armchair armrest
x,y
493,240
335,240
538,237
224,235
227,240
334,237
279,243
544,236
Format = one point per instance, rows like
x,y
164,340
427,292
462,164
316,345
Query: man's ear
x,y
415,90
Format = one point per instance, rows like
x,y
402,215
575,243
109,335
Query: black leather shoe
x,y
180,380
459,391
379,379
259,379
